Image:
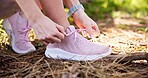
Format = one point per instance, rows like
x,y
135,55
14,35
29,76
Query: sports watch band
x,y
74,8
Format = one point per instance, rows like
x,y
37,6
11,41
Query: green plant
x,y
104,8
99,8
4,40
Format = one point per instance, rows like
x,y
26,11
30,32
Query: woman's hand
x,y
83,21
47,31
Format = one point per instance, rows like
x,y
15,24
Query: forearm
x,y
71,3
30,9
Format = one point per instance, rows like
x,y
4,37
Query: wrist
x,y
74,9
79,11
71,3
34,18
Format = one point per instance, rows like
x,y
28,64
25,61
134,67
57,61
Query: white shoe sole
x,y
7,27
57,53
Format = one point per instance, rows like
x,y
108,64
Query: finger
x,y
40,37
48,40
59,35
44,42
95,27
84,33
55,39
61,29
89,31
97,31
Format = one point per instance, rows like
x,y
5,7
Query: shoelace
x,y
75,33
24,37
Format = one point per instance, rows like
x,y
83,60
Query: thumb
x,y
89,30
61,29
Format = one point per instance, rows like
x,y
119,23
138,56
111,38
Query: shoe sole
x,y
57,53
8,29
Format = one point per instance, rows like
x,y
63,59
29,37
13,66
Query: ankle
x,y
22,14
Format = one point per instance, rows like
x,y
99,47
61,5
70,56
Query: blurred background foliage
x,y
114,8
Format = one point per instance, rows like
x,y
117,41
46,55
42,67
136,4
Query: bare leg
x,y
54,9
39,4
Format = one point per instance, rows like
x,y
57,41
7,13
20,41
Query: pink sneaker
x,y
76,47
17,28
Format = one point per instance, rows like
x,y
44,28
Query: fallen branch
x,y
128,57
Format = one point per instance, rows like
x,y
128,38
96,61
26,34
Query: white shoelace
x,y
25,32
75,33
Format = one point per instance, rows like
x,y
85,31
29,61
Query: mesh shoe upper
x,y
76,43
19,30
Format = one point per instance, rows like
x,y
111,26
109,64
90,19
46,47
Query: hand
x,y
47,31
83,21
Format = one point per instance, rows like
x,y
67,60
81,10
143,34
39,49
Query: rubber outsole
x,y
57,53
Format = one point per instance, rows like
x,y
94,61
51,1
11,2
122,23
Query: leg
x,y
54,9
38,3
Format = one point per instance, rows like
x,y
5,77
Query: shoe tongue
x,y
21,19
23,23
70,29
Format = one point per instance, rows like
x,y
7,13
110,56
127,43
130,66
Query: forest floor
x,y
124,35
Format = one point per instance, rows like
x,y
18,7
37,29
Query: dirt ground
x,y
124,35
